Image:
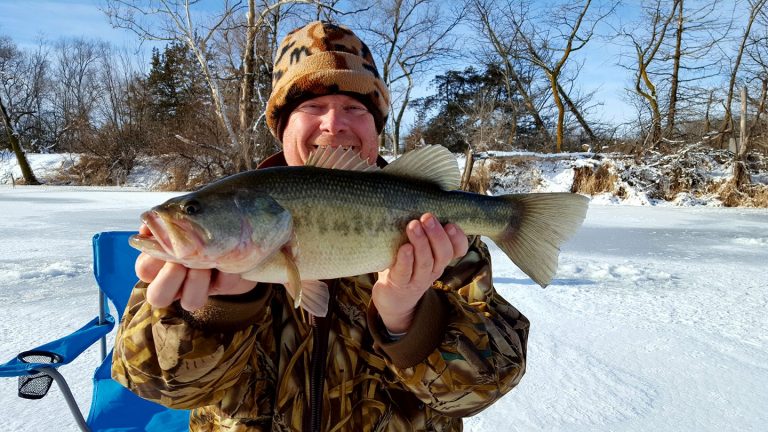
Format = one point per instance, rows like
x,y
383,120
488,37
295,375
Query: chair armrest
x,y
66,348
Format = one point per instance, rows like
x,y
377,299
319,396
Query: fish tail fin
x,y
543,222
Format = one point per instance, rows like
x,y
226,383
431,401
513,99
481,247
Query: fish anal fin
x,y
435,164
315,297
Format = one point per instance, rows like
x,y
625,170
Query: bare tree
x,y
77,89
13,141
409,36
674,44
500,26
755,74
25,84
14,68
540,44
246,111
178,21
122,125
691,59
755,8
647,48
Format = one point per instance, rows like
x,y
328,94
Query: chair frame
x,y
66,349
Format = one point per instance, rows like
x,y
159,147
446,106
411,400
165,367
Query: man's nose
x,y
334,121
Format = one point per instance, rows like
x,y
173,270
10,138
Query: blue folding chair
x,y
113,407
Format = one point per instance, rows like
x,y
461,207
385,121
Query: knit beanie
x,y
323,59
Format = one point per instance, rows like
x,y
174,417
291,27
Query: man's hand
x,y
417,265
170,281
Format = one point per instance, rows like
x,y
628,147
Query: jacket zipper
x,y
317,379
320,331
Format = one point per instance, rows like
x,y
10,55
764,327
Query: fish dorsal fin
x,y
435,164
339,158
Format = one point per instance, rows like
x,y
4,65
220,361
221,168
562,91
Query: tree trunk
x,y
246,108
675,79
741,175
398,121
707,121
760,106
560,112
21,158
651,97
383,139
741,152
575,110
467,174
512,129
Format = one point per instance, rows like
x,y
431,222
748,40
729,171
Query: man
x,y
414,347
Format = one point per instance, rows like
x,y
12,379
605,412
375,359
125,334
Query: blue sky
x,y
28,21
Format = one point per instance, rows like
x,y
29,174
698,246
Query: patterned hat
x,y
321,59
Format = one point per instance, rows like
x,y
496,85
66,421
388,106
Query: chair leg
x,y
103,311
68,397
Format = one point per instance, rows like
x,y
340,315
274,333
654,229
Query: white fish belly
x,y
333,253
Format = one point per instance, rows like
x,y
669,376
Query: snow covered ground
x,y
656,319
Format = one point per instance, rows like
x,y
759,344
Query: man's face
x,y
333,120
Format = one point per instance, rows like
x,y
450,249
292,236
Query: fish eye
x,y
191,207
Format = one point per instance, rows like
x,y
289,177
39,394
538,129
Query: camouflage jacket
x,y
254,363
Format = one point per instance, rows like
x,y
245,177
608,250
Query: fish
x,y
338,216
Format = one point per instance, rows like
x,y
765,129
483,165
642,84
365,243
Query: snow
x,y
655,320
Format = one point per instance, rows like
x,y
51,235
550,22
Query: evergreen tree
x,y
174,84
470,106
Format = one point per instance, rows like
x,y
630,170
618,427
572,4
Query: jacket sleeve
x,y
186,360
466,347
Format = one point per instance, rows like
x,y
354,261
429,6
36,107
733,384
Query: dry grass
x,y
183,175
627,148
87,171
679,181
178,178
482,174
760,196
590,181
747,195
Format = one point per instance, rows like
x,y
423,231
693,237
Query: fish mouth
x,y
176,237
146,243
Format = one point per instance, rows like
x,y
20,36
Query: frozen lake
x,y
656,319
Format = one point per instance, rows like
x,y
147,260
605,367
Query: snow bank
x,y
684,179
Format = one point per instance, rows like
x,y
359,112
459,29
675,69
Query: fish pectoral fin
x,y
294,277
311,295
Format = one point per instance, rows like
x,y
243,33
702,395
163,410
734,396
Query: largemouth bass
x,y
340,217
